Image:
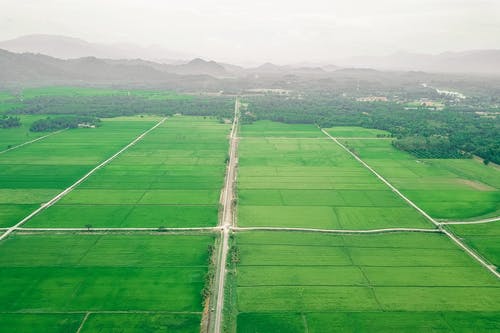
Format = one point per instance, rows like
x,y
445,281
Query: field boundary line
x,y
83,322
79,181
32,141
119,229
457,241
337,231
493,219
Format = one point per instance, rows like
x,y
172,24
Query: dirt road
x,y
226,221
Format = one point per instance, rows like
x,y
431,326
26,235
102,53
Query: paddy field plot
x,y
171,178
146,281
484,238
35,173
10,137
357,132
449,189
295,176
311,282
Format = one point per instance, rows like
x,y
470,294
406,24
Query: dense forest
x,y
57,123
449,133
9,121
112,106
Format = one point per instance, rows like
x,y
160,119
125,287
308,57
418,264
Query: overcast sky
x,y
282,31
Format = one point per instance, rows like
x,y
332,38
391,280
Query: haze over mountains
x,y
69,48
478,61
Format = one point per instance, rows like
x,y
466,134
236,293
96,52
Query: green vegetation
x,y
142,322
296,280
58,123
484,238
359,132
10,137
116,273
295,176
125,104
91,91
35,322
9,121
33,174
449,133
171,178
444,188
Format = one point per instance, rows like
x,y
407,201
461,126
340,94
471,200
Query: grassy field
x,y
485,238
294,176
10,137
445,188
55,279
356,132
89,91
7,102
304,282
171,178
33,174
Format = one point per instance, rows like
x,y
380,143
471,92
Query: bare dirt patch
x,y
476,185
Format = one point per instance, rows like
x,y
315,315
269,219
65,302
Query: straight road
x,y
226,220
78,182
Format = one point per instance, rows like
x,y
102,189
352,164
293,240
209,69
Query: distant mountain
x,y
272,69
34,69
199,66
69,48
479,61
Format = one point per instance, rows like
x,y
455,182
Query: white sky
x,y
281,31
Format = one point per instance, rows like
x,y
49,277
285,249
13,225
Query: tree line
x,y
9,121
53,124
449,133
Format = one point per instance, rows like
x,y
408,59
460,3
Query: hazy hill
x,y
199,66
29,69
68,48
479,61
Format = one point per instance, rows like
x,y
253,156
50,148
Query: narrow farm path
x,y
32,141
489,220
455,239
78,182
337,231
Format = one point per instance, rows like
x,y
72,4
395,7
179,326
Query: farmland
x,y
80,277
445,188
448,189
173,179
35,173
10,137
89,91
299,282
294,176
107,276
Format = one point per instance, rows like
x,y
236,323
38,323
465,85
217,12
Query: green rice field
x,y
147,281
300,282
445,188
127,280
171,178
295,176
35,173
